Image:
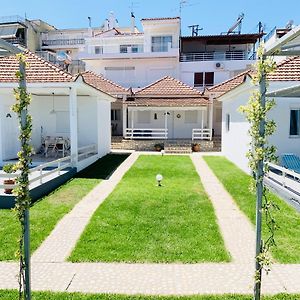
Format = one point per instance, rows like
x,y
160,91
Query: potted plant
x,y
9,169
158,147
196,147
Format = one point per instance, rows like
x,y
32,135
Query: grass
x,y
45,213
141,222
12,295
236,182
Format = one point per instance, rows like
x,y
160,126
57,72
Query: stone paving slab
x,y
62,240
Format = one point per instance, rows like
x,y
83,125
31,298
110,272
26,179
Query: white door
x,y
10,132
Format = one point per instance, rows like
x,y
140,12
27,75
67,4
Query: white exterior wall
x,y
145,72
104,127
235,142
231,68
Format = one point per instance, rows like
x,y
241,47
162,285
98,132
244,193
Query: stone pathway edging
x,y
159,279
59,244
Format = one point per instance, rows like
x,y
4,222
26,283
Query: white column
x,y
166,124
73,125
124,120
211,116
132,116
99,127
202,122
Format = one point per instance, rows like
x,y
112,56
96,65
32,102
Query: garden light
x,y
159,178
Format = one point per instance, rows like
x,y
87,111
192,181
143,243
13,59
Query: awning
x,y
8,31
290,92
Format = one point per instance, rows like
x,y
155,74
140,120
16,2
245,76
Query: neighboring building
x,y
236,92
64,106
132,58
22,32
168,109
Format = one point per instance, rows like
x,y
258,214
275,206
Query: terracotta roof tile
x,y
229,84
168,86
38,70
101,83
287,70
169,102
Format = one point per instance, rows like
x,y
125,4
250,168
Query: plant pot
x,y
8,181
196,148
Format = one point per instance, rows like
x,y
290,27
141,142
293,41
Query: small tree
x,y
260,153
22,191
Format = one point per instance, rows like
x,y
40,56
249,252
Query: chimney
x,y
132,23
90,30
112,20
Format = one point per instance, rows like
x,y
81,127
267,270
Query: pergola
x,y
288,45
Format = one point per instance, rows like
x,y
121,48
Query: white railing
x,y
86,151
146,133
202,134
288,179
213,55
60,164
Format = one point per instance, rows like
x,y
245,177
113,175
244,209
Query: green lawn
x,y
12,295
141,222
45,214
236,183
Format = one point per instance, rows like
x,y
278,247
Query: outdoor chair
x,y
291,161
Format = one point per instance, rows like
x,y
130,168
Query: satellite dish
x,y
289,24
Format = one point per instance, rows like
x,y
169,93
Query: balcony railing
x,y
202,134
16,41
64,42
215,56
146,133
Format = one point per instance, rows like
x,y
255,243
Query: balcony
x,y
63,42
216,56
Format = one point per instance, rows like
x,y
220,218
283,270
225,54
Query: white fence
x,y
288,179
146,133
202,134
59,165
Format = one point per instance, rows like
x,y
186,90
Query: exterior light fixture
x,y
52,112
159,178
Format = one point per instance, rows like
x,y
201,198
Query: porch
x,y
169,123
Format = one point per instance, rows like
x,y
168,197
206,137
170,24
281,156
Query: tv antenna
x,y
134,4
195,29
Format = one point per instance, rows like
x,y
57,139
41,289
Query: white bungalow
x,y
236,92
63,107
167,109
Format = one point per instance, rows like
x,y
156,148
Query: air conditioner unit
x,y
219,65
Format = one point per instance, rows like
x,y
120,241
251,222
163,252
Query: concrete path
x,y
50,272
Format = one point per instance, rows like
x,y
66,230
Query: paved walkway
x,y
50,272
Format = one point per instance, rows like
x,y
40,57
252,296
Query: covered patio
x,y
168,109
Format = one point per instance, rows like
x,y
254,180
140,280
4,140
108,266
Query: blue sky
x,y
214,16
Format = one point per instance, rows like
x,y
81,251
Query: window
x,y
98,50
131,48
190,117
144,117
203,79
115,114
161,43
227,122
294,122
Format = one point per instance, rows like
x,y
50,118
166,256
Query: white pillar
x,y
211,117
124,116
99,127
132,116
202,122
166,124
73,125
